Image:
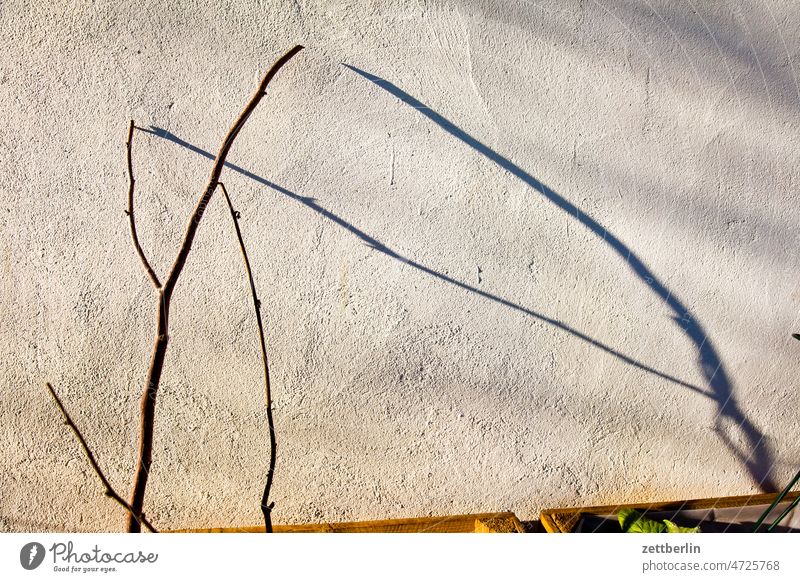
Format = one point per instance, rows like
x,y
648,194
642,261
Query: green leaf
x,y
796,336
631,521
674,528
645,525
626,517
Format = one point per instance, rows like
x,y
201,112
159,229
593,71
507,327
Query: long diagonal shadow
x,y
373,243
382,248
756,458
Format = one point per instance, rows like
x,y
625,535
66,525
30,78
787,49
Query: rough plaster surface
x,y
472,248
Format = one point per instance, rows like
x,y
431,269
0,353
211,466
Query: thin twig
x,y
109,490
150,272
148,401
266,506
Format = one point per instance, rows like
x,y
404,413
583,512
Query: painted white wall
x,y
447,333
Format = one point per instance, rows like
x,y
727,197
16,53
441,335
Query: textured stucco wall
x,y
521,254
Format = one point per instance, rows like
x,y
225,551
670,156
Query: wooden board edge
x,y
466,524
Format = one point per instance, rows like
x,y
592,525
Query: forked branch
x,y
148,401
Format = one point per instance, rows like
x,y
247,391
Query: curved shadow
x,y
757,459
373,243
382,248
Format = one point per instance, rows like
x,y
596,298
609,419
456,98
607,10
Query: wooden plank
x,y
505,522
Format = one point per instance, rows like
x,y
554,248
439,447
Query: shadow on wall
x,y
382,248
757,460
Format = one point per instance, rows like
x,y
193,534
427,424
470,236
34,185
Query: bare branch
x,y
109,490
266,506
148,401
150,272
216,170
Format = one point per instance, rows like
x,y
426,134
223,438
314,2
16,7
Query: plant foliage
x,y
631,521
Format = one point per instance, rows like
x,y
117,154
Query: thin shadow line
x,y
759,461
380,247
